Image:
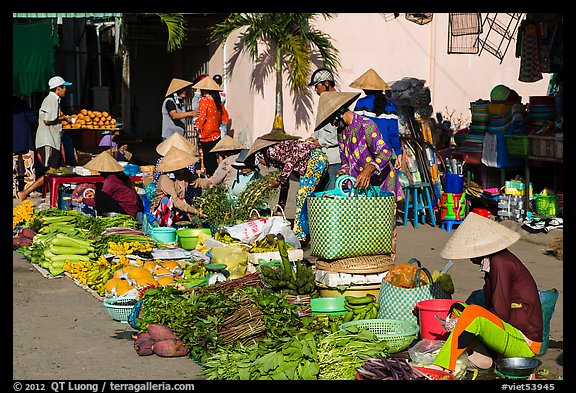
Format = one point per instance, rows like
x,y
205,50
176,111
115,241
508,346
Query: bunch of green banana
x,y
300,282
361,307
268,244
224,237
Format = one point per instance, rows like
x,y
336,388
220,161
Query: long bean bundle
x,y
230,286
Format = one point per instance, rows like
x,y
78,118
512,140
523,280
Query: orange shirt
x,y
209,119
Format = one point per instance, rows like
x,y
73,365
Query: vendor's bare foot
x,y
479,360
20,195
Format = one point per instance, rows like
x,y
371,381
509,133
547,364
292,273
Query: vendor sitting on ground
x,y
181,143
169,204
246,171
228,149
117,194
510,323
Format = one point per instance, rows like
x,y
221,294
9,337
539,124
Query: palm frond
x,y
176,25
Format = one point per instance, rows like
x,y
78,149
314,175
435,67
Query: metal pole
x,y
98,26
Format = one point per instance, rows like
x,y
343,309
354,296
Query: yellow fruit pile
x,y
127,248
94,274
22,213
92,120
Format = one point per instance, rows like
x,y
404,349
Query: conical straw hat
x,y
478,236
175,159
207,84
176,140
330,102
176,85
370,80
258,144
227,143
104,162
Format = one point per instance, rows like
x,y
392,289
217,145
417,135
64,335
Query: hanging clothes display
x,y
530,61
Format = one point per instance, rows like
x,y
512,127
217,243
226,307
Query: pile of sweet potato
x,y
23,238
159,340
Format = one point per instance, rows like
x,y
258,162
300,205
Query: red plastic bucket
x,y
430,326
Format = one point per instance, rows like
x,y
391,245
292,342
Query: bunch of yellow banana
x,y
126,248
361,307
94,274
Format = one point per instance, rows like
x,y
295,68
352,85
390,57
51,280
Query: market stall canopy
x,y
33,56
33,47
43,15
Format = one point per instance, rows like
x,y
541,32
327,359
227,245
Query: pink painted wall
x,y
396,49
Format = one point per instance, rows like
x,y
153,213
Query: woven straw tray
x,y
360,265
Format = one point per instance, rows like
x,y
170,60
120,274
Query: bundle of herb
x,y
244,324
257,195
214,203
286,358
341,353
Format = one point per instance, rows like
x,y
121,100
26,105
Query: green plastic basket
x,y
546,205
397,334
518,145
119,307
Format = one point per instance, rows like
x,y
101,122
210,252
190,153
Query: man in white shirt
x,y
48,134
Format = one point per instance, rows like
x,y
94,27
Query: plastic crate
x,y
559,148
546,205
543,146
489,177
518,145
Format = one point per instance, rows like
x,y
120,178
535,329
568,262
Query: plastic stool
x,y
419,191
447,225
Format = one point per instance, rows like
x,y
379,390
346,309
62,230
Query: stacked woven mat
x,y
352,275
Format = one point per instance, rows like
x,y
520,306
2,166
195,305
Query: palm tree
x,y
294,40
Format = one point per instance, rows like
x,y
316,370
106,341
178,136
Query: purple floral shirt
x,y
290,155
361,144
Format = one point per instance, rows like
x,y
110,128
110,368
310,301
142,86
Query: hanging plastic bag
x,y
403,275
234,257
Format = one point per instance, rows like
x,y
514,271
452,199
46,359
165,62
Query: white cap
x,y
57,81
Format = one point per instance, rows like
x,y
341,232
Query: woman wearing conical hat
x,y
376,106
292,156
510,322
228,150
211,113
247,171
169,204
173,109
117,194
363,152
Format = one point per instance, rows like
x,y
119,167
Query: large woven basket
x,y
365,264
